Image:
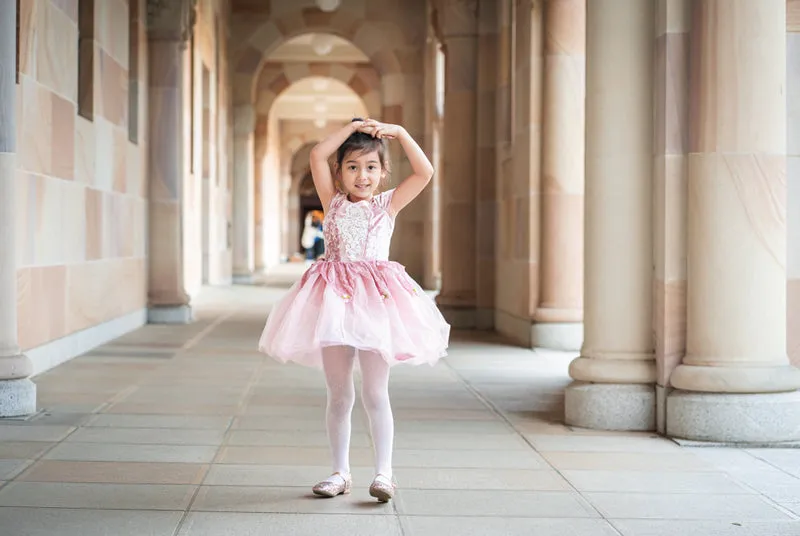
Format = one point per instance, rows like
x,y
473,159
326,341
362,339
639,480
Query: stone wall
x,y
81,190
207,191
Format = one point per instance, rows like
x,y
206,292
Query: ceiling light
x,y
328,5
320,84
322,44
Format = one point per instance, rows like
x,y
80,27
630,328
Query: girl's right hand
x,y
379,130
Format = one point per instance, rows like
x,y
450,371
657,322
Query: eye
x,y
372,168
352,168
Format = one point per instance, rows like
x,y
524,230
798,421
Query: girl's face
x,y
361,174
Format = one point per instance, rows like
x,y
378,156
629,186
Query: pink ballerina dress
x,y
356,296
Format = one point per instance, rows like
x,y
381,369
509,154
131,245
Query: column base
x,y
734,418
17,397
516,329
636,369
782,378
609,406
169,314
567,336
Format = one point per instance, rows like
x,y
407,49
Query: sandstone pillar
x,y
244,193
260,148
558,320
615,374
169,28
458,25
735,383
17,391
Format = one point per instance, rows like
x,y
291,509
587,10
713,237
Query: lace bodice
x,y
360,231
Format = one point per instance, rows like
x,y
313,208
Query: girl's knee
x,y
342,399
375,399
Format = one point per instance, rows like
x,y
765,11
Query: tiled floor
x,y
185,430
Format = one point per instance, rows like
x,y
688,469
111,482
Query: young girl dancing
x,y
356,301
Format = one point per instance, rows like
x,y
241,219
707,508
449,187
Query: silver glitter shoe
x,y
331,486
382,488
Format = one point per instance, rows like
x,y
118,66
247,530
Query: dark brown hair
x,y
359,143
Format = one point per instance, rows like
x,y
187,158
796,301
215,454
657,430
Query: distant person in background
x,y
319,238
313,240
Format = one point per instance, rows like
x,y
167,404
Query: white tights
x,y
338,362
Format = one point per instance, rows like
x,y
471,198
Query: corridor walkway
x,y
186,430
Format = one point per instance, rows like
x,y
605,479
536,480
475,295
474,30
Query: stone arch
x,y
275,77
372,27
300,165
392,36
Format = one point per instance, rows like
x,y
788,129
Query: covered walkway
x,y
185,430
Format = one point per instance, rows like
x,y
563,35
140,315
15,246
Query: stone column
x,y
169,28
671,94
558,321
260,148
615,374
458,25
17,391
244,260
735,383
486,164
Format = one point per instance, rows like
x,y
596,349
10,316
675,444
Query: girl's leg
x,y
337,362
375,397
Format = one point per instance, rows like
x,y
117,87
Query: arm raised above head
x,y
320,170
422,168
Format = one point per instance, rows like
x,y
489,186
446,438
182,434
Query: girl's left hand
x,y
380,130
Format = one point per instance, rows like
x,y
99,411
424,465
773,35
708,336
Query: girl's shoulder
x,y
383,199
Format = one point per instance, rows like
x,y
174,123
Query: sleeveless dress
x,y
356,296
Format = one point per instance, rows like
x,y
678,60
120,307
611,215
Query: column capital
x,y
170,20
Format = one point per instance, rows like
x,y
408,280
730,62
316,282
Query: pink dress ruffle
x,y
356,297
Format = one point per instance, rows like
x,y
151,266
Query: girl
x,y
356,301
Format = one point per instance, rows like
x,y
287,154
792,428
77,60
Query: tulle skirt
x,y
369,305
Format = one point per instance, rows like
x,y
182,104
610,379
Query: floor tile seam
x,y
210,465
503,417
165,428
95,508
391,514
774,466
766,498
141,444
41,456
197,337
124,444
117,398
609,519
234,418
363,486
73,508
